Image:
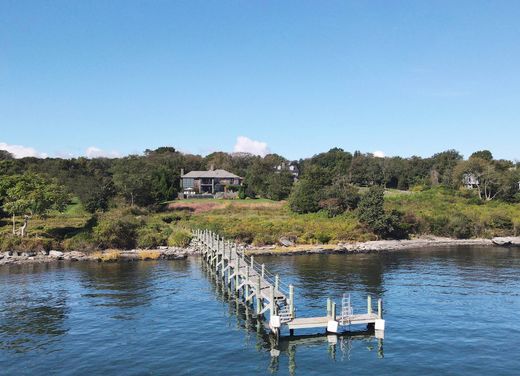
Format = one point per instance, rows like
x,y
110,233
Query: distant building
x,y
208,182
292,167
470,181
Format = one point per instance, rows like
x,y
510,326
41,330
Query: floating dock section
x,y
268,295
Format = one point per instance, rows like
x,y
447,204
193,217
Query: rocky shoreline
x,y
162,253
175,253
382,246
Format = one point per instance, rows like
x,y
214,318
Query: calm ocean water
x,y
448,311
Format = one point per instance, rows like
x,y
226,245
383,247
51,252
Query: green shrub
x,y
438,225
500,221
323,238
82,242
180,238
117,233
261,239
461,227
151,237
17,244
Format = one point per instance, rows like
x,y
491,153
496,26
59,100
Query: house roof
x,y
211,174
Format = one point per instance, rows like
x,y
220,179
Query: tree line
x,y
328,181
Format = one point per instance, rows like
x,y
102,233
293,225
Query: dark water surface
x,y
448,311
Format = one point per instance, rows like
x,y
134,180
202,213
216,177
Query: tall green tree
x,y
30,194
371,212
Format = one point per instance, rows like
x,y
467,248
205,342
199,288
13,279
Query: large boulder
x,y
507,241
286,242
174,254
56,254
74,256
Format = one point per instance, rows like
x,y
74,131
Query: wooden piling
x,y
380,308
291,300
369,304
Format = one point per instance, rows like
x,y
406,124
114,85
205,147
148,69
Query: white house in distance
x,y
292,167
208,182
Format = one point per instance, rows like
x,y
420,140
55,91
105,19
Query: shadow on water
x,y
334,345
32,316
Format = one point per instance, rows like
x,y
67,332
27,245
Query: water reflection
x,y
32,313
122,285
319,274
259,336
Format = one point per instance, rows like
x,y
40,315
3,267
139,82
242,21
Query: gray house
x,y
208,182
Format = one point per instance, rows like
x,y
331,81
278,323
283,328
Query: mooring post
x,y
329,307
252,261
333,308
291,300
263,270
369,304
380,308
277,282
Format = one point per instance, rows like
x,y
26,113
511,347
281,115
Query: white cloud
x,y
379,154
95,152
246,145
20,151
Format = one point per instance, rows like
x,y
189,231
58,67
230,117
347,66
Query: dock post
x,y
333,311
263,270
380,309
291,300
237,273
219,243
271,295
252,261
329,307
211,247
247,284
259,296
369,304
277,282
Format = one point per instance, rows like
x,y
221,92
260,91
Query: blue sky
x,y
298,77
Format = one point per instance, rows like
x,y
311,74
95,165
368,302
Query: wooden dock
x,y
266,293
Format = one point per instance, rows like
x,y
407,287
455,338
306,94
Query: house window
x,y
187,182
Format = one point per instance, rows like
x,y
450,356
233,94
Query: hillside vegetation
x,y
89,204
436,211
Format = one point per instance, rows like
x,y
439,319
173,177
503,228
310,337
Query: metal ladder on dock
x,y
346,310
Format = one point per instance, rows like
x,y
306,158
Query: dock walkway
x,y
266,292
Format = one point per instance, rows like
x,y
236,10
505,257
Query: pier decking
x,y
266,292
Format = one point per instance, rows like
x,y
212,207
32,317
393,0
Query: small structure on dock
x,y
266,293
